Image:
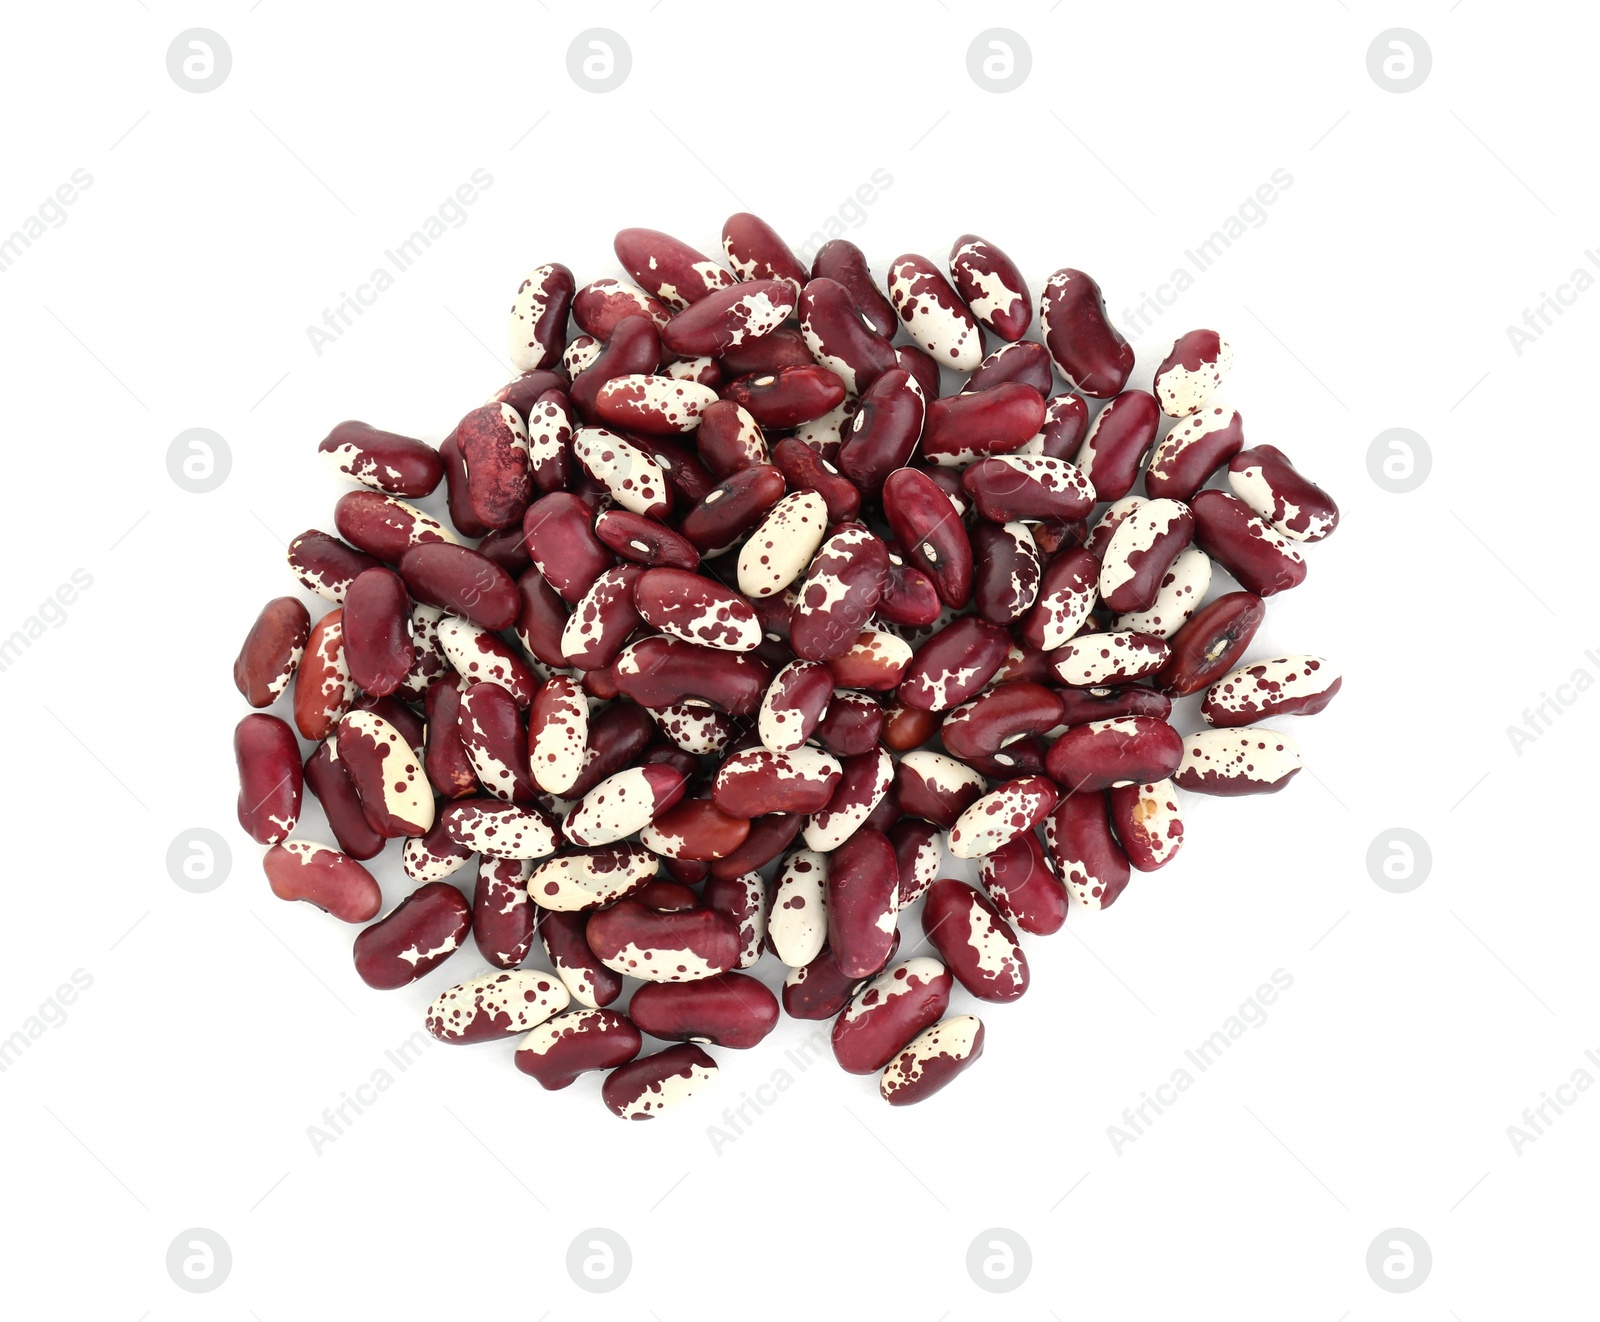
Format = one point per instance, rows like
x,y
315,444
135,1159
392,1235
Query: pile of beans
x,y
749,589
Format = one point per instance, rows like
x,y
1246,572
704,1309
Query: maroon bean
x,y
589,981
1005,812
910,596
1027,486
1067,592
1027,362
839,337
728,317
397,465
642,1089
408,725
862,876
1210,643
459,580
841,260
1080,706
923,369
539,317
541,618
449,769
696,609
1078,839
1019,880
758,781
661,672
601,305
865,780
377,631
384,527
557,1051
935,787
413,938
434,856
806,470
932,1060
1105,527
524,391
756,251
507,548
975,942
839,593
602,620
1052,535
769,836
1024,663
645,541
742,896
550,429
1191,452
1141,551
333,882
732,508
728,439
884,432
787,397
494,1005
325,564
793,705
502,918
784,347
271,778
695,830
933,313
493,444
1260,558
327,778
1191,371
887,814
1124,750
323,689
1066,421
663,947
953,664
992,286
852,724
388,775
728,1010
928,526
617,736
962,428
492,735
455,485
983,725
875,661
634,347
272,650
1147,822
1270,485
1088,350
887,1012
668,268
560,536
1006,569
1115,448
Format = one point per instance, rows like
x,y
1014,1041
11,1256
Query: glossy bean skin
x,y
272,650
876,661
742,897
459,580
953,664
793,705
493,444
819,990
523,391
995,819
326,777
839,338
495,742
602,620
983,725
729,439
1210,643
931,1060
502,918
1099,660
396,465
667,268
501,830
865,778
732,508
413,938
919,849
557,1051
624,803
645,541
444,760
1183,588
388,775
1275,490
271,778
728,317
1192,370
494,1005
1006,570
1017,486
696,609
933,313
862,877
1088,350
1066,422
883,433
1027,362
323,877
756,251
888,1012
640,942
1087,856
696,830
377,632
959,429
1115,448
326,565
541,619
976,944
909,596
1282,686
434,856
1260,558
853,724
936,787
1248,760
587,980
770,834
550,427
727,1010
840,590
789,396
323,689
661,672
652,404
1140,553
1147,822
1023,886
560,536
841,260
602,304
905,727
617,736
928,526
1068,590
805,469
591,877
634,346
644,1088
1184,460
1080,706
457,499
784,347
1123,750
797,927
539,317
992,287
758,781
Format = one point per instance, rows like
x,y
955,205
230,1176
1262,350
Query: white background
x,y
177,293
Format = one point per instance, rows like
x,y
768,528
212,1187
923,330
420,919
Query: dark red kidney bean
x,y
668,268
602,620
806,470
524,391
865,780
501,830
1027,486
1006,569
1080,706
323,688
491,732
954,664
852,725
557,1051
841,260
875,661
862,876
784,347
935,787
674,892
634,348
1141,551
601,305
1115,448
1258,556
413,938
991,286
1088,350
1023,758
1265,479
662,672
1024,663
541,618
445,761
840,591
923,369
1020,882
998,716
883,434
756,251
820,990
642,1089
886,1013
1066,421
1184,460
388,775
728,1010
560,536
1210,643
397,465
272,651
271,778
1283,686
539,317
696,609
909,597
377,632
961,428
728,439
663,947
919,850
474,653
455,487
793,705
732,508
617,736
1124,750
645,541
590,982
1096,660
728,317
459,580
1052,535
493,444
1105,527
787,397
933,313
975,942
502,918
327,778
887,813
1067,592
406,722
928,526
769,836
326,565
384,527
695,830
550,429
743,897
1026,362
758,781
434,856
1191,371
507,548
840,338
323,877
1078,839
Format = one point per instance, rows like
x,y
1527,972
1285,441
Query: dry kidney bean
x,y
769,836
557,1051
909,596
1269,484
642,1089
502,918
1027,486
333,882
1191,452
975,942
841,260
883,433
757,252
729,439
743,898
476,654
271,778
888,1012
459,580
669,268
1283,686
1068,590
797,927
789,396
758,781
819,990
409,725
992,286
455,489
784,347
841,588
954,664
1089,351
326,565
931,531
587,980
961,428
1080,706
550,427
628,474
1022,885
493,738
495,1005
904,728
876,661
602,619
1141,551
1000,816
998,716
1115,448
541,619
397,465
501,830
806,469
601,304
728,317
1026,362
1096,660
862,876
326,777
388,775
323,689
377,632
1105,527
696,609
1087,856
728,1010
539,317
493,444
624,803
839,338
413,938
617,736
695,829
633,346
695,727
852,724
794,704
661,671
865,779
1183,588
445,762
1123,750
645,541
783,543
1208,644
590,878
525,389
644,943
431,662
933,313
1248,760
1147,822
1262,559
1066,420
931,1060
1191,371
936,787
272,651
434,856
919,851
655,405
731,508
